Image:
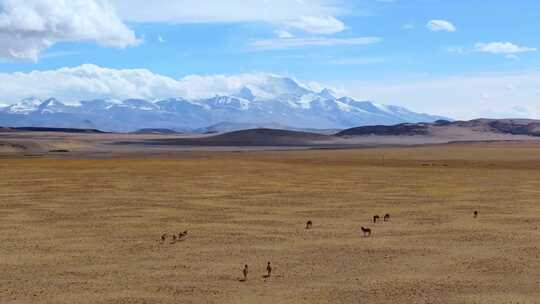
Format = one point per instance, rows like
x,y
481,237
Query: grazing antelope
x,y
174,238
268,270
475,214
386,217
366,231
245,272
182,235
376,218
309,224
163,237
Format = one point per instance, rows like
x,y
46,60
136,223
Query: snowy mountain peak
x,y
51,105
285,86
271,87
328,94
51,102
24,107
246,94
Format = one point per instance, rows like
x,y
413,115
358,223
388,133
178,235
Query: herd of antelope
x,y
309,225
245,272
174,237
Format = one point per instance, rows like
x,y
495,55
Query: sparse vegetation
x,y
89,230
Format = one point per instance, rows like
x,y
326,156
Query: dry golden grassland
x,y
87,230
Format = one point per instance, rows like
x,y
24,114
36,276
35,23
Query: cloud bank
x,y
89,81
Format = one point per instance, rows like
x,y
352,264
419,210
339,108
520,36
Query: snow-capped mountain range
x,y
278,101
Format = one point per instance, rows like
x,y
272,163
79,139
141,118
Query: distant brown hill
x,y
251,137
526,127
396,130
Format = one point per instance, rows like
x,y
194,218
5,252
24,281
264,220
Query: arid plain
x,y
79,229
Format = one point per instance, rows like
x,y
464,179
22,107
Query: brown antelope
x,y
245,272
174,238
163,237
386,217
376,218
366,231
268,270
182,235
475,214
309,224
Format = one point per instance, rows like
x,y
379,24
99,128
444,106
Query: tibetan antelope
x,y
309,224
376,218
245,273
163,237
268,270
366,231
182,235
174,238
475,214
386,217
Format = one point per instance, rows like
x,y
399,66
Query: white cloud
x,y
29,27
462,97
318,25
440,25
90,82
283,34
506,48
314,16
86,82
160,39
276,44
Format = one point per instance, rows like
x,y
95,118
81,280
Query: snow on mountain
x,y
270,101
245,93
138,104
327,93
54,106
25,106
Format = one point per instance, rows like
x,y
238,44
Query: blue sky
x,y
415,53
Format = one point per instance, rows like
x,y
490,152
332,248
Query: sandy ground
x,y
82,230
